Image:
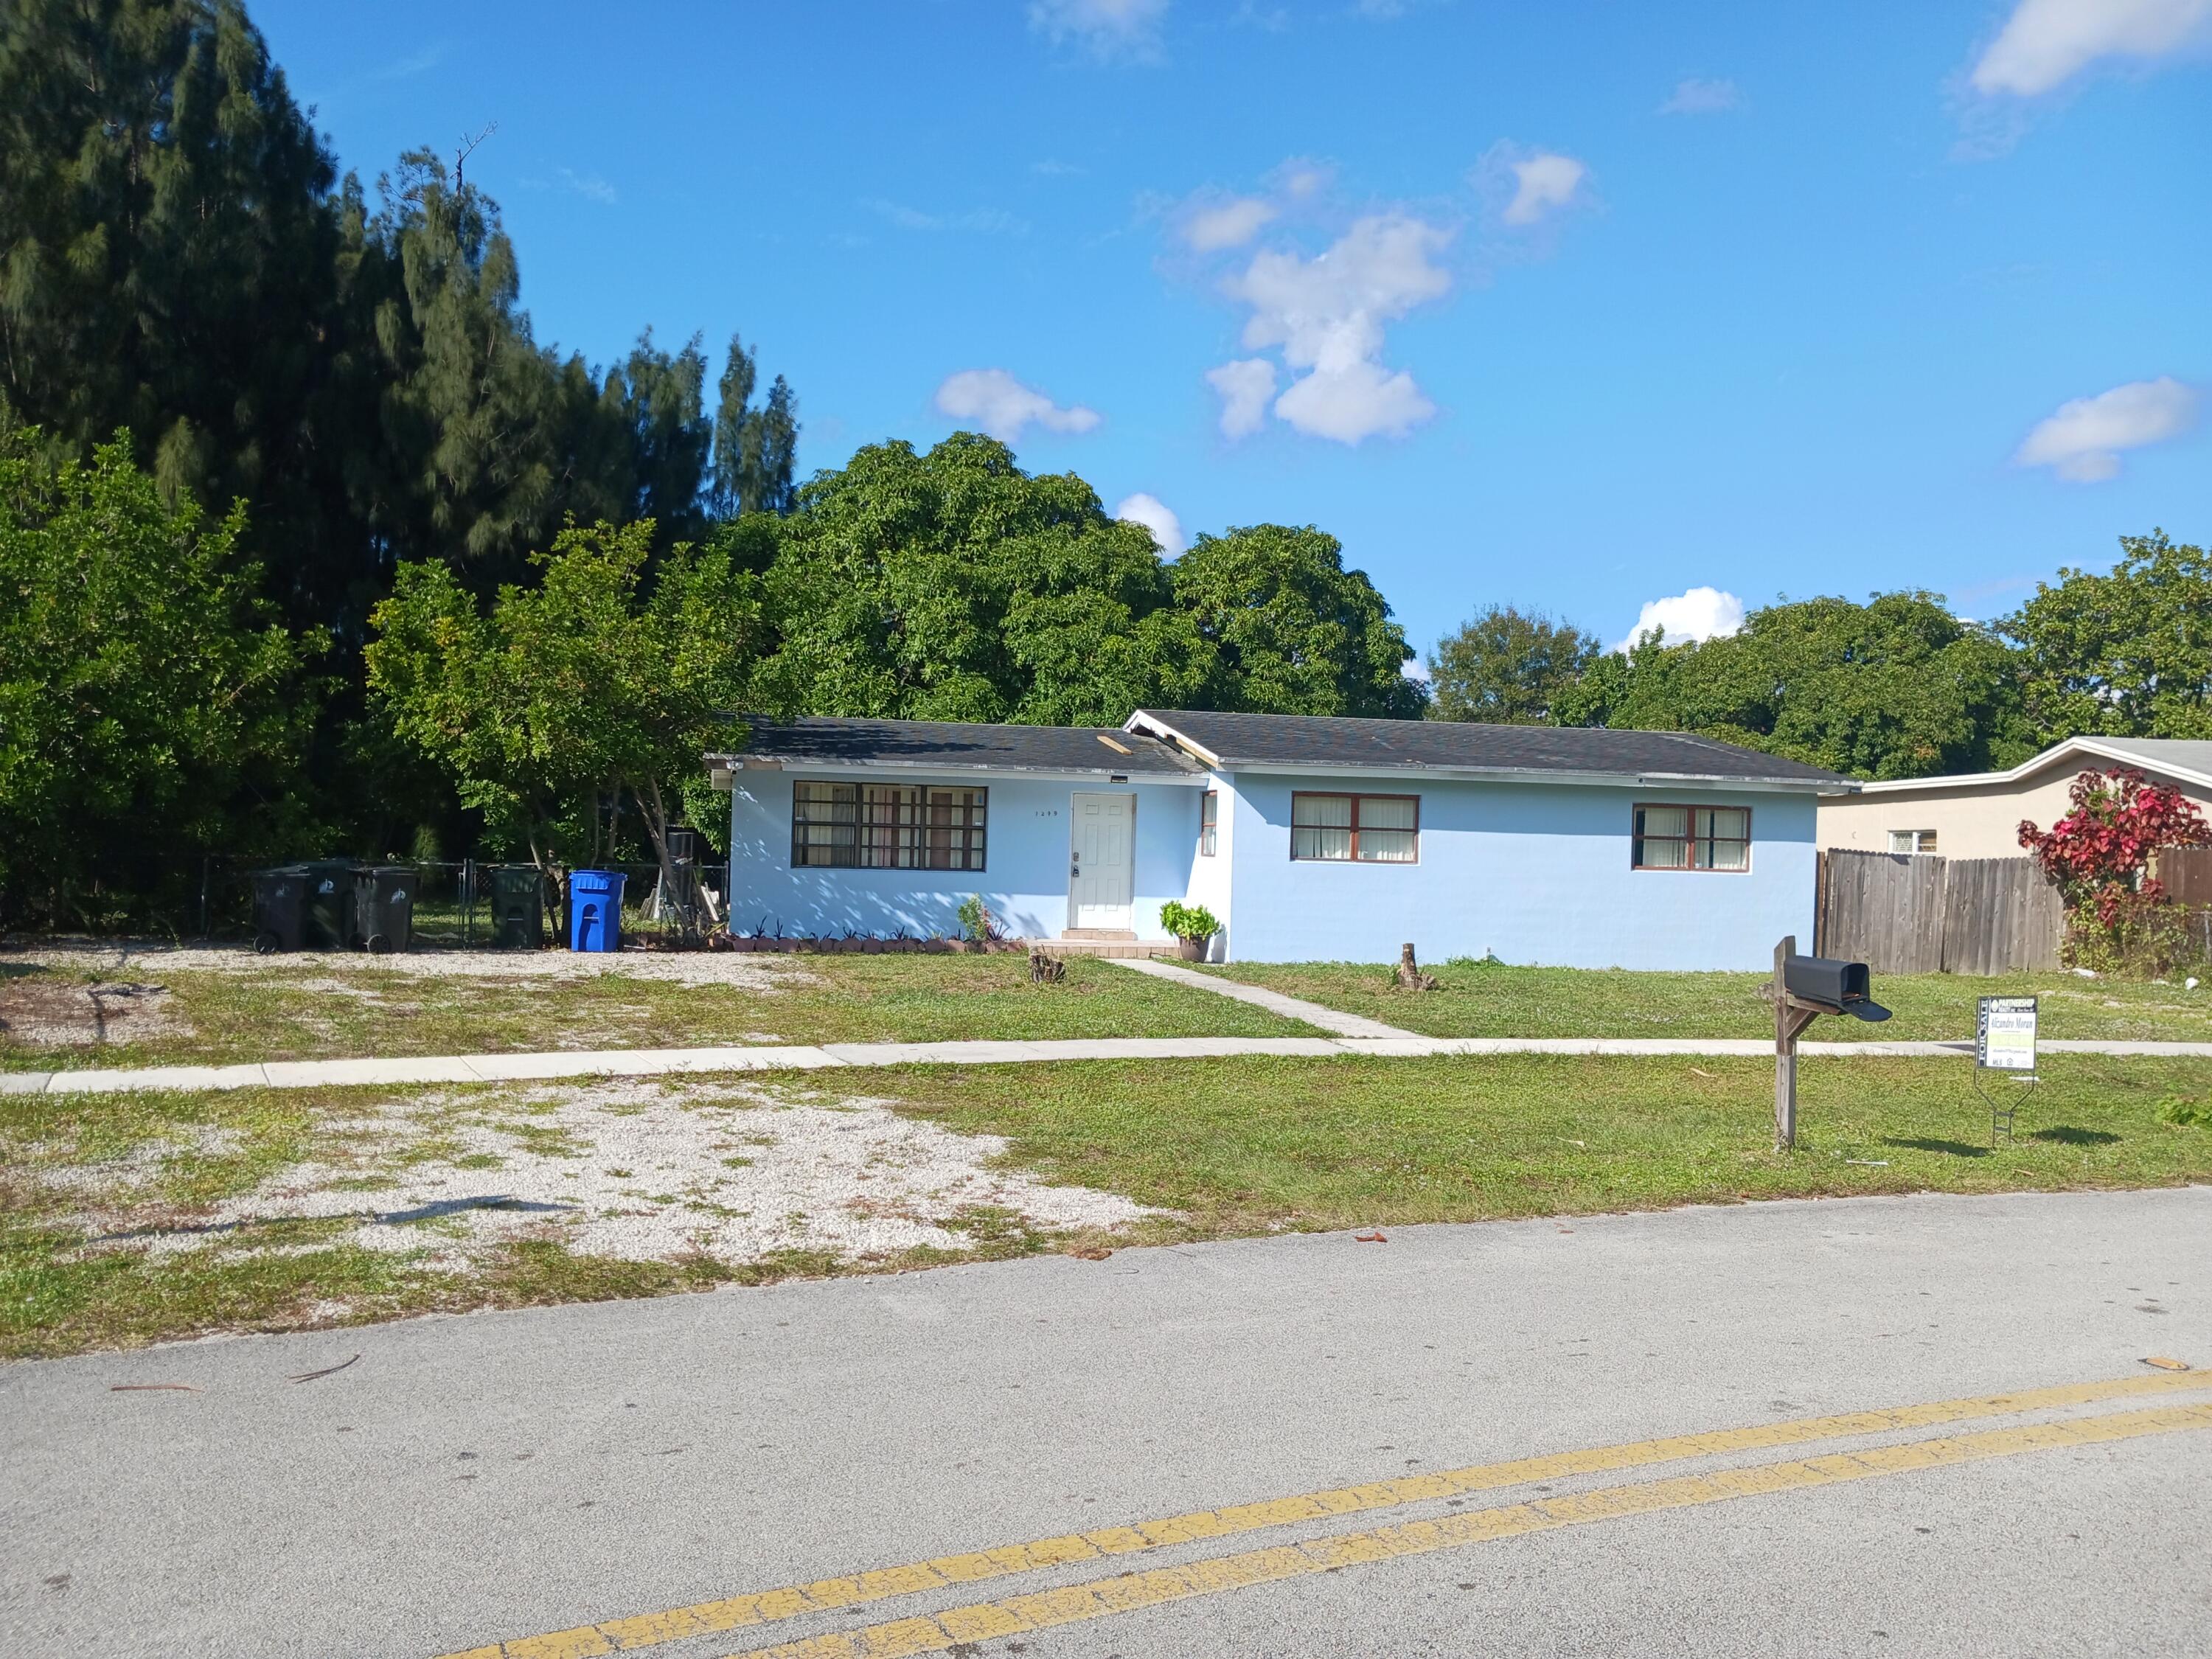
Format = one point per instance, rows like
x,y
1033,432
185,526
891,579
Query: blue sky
x,y
1576,306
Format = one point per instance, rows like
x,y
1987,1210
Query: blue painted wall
x,y
1538,873
1024,879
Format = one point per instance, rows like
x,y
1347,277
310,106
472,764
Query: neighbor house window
x,y
1356,828
887,826
1912,840
1693,838
1209,822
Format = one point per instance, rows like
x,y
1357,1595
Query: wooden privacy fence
x,y
1920,914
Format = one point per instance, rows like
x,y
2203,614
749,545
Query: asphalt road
x,y
480,1480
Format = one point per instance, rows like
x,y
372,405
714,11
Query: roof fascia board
x,y
805,763
2028,767
1541,775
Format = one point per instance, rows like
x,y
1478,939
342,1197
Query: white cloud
x,y
1326,315
588,186
1111,28
1702,613
1226,224
1699,97
994,400
1245,387
2083,440
2046,42
1156,516
1543,182
1300,178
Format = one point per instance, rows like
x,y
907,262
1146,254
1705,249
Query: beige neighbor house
x,y
1976,815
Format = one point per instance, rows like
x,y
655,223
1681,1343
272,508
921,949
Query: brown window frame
x,y
1355,797
1636,838
1209,823
891,826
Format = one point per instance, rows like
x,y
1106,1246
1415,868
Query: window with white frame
x,y
1912,840
1356,828
1209,823
1691,838
887,826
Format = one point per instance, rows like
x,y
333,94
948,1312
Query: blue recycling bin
x,y
595,909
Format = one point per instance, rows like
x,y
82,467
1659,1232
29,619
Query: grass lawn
x,y
305,1007
107,1202
1490,999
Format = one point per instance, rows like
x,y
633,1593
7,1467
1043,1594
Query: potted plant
x,y
1193,927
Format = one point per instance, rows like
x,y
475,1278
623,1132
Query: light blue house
x,y
1310,839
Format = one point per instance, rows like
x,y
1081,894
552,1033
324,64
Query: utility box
x,y
1833,986
279,907
517,908
384,908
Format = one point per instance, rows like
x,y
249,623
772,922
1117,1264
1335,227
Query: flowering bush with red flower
x,y
2099,857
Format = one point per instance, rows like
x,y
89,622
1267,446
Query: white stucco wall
x,y
1025,874
1538,873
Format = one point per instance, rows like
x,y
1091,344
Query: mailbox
x,y
1833,986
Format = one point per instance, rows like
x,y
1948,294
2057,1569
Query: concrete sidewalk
x,y
1313,1014
658,1063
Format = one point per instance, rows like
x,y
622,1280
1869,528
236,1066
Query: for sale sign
x,y
2004,1034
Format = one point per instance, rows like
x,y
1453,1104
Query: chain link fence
x,y
453,902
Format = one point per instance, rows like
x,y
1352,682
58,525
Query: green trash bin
x,y
279,907
328,923
384,908
517,908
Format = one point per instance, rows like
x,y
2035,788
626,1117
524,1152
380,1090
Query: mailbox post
x,y
1804,988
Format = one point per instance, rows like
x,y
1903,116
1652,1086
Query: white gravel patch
x,y
323,968
648,1170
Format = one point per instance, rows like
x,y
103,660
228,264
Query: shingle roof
x,y
1310,741
954,745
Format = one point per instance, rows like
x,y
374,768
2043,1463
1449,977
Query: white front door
x,y
1102,861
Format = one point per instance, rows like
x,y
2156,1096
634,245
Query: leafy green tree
x,y
754,449
1505,667
609,678
168,248
2126,653
1292,630
152,708
1896,688
954,585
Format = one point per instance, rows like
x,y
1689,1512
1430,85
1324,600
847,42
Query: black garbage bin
x,y
384,908
517,908
329,922
279,907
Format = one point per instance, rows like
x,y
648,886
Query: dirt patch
x,y
646,1171
151,960
45,1013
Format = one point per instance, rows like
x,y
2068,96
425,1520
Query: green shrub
x,y
1188,920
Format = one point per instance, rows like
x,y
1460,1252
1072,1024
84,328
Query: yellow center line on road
x,y
831,1595
1101,1598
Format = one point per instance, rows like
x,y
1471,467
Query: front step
x,y
1072,944
1119,935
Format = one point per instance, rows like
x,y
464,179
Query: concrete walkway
x,y
659,1062
1329,1019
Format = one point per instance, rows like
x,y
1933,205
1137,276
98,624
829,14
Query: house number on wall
x,y
1047,812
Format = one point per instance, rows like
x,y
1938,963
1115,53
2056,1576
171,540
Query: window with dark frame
x,y
887,826
1356,828
1209,822
1713,838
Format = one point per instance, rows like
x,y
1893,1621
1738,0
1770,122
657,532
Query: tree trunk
x,y
655,813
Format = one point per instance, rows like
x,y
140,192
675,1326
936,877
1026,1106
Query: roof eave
x,y
1535,775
